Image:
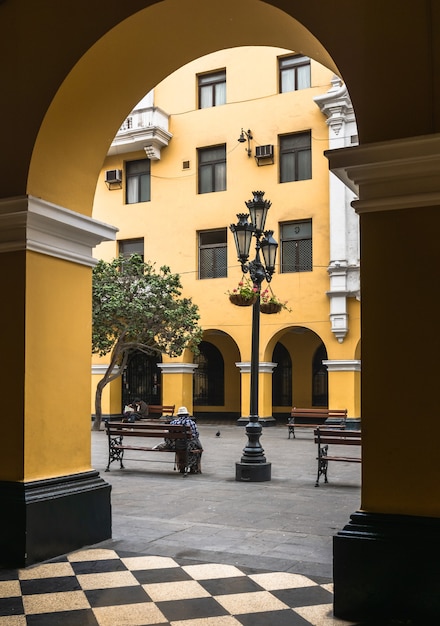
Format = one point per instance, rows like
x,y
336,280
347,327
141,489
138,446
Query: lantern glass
x,y
258,208
258,214
269,249
243,232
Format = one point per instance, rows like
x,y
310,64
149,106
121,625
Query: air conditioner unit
x,y
264,152
113,176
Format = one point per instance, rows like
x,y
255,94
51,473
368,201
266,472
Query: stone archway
x,y
89,107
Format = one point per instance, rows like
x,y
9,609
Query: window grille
x,y
209,376
213,254
127,247
296,246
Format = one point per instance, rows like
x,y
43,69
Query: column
x,y
52,500
265,370
343,385
386,558
177,384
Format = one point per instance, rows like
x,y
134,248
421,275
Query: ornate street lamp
x,y
253,466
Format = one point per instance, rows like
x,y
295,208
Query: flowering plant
x,y
268,297
246,289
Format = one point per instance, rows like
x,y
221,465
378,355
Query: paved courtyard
x,y
285,524
201,550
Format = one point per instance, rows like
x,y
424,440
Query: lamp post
x,y
253,466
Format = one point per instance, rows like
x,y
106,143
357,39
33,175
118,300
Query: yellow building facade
x,y
277,102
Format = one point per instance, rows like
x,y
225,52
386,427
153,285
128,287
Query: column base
x,y
43,519
253,472
264,421
387,567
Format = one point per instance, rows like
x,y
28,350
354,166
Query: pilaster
x,y
54,501
386,558
177,384
265,371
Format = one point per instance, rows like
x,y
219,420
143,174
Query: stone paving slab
x,y
285,524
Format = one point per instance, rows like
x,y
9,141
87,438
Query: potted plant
x,y
270,303
244,294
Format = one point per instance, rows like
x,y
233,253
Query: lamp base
x,y
253,472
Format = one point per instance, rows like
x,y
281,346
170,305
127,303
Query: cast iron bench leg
x,y
322,465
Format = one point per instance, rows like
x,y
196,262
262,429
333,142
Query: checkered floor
x,y
100,587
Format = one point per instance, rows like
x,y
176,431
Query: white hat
x,y
182,410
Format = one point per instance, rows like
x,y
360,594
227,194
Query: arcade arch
x,y
90,105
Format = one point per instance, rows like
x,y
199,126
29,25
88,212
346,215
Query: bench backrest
x,y
141,429
161,409
325,436
321,413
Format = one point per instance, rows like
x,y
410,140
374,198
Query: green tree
x,y
135,308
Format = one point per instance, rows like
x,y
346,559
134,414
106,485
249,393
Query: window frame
x,y
293,63
137,176
295,151
297,264
209,376
211,246
211,81
134,242
213,166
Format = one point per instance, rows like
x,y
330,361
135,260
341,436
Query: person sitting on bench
x,y
195,448
141,409
135,411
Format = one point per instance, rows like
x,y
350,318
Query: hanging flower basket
x,y
270,308
240,300
270,303
244,294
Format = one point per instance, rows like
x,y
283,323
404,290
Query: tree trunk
x,y
98,402
108,377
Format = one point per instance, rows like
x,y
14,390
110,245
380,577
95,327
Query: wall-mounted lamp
x,y
242,139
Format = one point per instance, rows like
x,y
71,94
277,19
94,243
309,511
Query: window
x,y
212,169
213,253
319,378
127,247
141,379
137,175
212,89
294,73
282,377
296,246
295,157
209,376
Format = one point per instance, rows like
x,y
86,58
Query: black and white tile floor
x,y
102,587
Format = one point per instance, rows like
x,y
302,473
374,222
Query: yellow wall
x,y
57,335
170,221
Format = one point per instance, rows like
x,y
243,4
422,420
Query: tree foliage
x,y
135,308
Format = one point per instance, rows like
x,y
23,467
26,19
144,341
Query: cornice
x,y
264,367
177,368
28,223
392,175
336,105
100,370
343,365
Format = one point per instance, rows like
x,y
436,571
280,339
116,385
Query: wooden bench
x,y
326,436
118,432
160,410
312,418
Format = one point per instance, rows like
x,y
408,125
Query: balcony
x,y
144,129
